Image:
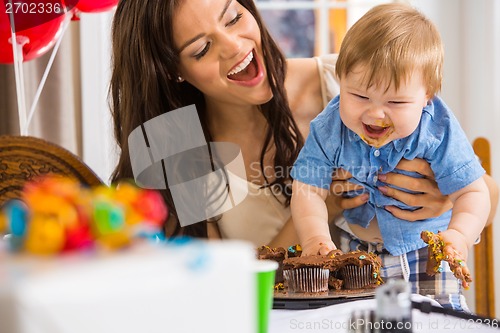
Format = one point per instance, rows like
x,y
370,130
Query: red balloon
x,y
95,6
38,28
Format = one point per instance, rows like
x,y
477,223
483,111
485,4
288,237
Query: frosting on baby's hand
x,y
438,251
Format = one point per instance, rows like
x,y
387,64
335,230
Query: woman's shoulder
x,y
302,71
303,86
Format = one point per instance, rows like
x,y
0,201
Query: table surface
x,y
336,318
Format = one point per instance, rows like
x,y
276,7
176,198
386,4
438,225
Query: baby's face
x,y
380,115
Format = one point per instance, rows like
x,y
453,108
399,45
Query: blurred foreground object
x,y
56,214
189,286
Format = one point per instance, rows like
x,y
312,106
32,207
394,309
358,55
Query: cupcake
x,y
277,254
307,274
357,269
334,282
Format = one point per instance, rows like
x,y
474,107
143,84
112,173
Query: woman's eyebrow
x,y
195,38
191,41
226,6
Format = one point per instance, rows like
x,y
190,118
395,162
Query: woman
x,y
218,55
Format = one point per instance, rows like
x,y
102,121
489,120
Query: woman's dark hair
x,y
143,86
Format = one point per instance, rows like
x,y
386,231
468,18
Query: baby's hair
x,y
391,41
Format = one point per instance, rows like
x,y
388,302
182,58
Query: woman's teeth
x,y
242,65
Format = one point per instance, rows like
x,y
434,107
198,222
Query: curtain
x,y
58,114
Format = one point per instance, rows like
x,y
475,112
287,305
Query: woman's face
x,y
220,51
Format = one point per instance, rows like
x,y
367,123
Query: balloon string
x,y
17,48
47,70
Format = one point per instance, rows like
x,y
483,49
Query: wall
x,y
99,150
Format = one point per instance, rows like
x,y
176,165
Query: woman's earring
x,y
180,79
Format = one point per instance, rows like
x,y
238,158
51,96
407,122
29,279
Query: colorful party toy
x,y
56,214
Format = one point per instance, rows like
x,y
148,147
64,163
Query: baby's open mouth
x,y
375,131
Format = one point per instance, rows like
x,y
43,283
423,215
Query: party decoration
x,y
37,26
27,14
15,218
56,215
3,223
17,213
95,6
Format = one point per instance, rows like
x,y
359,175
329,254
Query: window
x,y
311,27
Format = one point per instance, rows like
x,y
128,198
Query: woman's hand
x,y
431,200
341,185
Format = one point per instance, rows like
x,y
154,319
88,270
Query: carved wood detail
x,y
24,158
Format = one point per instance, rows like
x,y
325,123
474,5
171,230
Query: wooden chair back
x,y
483,251
23,158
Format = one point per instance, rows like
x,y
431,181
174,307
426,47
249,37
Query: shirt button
x,y
375,178
376,153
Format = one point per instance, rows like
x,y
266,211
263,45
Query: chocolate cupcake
x,y
277,254
307,274
357,269
335,283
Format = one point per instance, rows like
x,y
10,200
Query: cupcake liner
x,y
306,280
357,277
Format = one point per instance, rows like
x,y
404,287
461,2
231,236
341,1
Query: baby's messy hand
x,y
450,246
455,253
317,245
455,242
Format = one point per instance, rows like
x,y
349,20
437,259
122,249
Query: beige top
x,y
260,216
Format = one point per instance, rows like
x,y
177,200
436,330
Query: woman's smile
x,y
248,72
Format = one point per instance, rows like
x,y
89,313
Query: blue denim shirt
x,y
438,139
